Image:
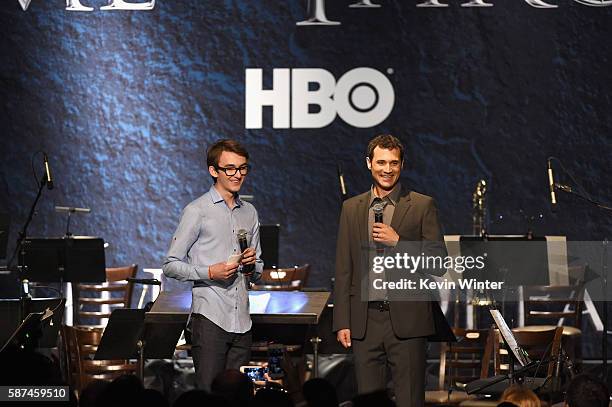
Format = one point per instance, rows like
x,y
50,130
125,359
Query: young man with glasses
x,y
205,250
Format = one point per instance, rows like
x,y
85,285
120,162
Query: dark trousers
x,y
215,350
406,359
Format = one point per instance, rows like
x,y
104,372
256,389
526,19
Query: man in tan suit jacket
x,y
383,327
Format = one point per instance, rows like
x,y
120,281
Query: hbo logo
x,y
311,98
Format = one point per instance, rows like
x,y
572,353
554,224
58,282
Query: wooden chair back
x,y
119,294
540,345
467,360
550,304
80,347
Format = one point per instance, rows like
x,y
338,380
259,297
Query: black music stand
x,y
10,318
75,259
516,260
284,308
50,331
38,329
497,384
129,335
27,334
520,260
59,260
444,333
269,240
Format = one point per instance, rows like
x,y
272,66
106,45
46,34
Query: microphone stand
x,y
24,293
604,276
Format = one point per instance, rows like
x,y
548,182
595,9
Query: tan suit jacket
x,y
415,220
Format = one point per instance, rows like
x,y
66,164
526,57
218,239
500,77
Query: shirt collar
x,y
216,196
391,198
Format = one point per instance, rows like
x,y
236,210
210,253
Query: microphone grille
x,y
379,205
242,233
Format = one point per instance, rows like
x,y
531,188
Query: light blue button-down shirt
x,y
206,235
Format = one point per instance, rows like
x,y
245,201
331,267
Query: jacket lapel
x,y
400,210
362,218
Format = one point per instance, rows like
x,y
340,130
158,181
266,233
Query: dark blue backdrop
x,y
125,104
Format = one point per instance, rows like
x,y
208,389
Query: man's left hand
x,y
384,234
248,256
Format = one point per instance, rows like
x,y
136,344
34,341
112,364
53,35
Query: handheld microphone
x,y
48,178
242,241
551,185
378,208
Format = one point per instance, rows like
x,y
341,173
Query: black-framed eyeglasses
x,y
231,171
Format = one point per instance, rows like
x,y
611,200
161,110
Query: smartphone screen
x,y
255,373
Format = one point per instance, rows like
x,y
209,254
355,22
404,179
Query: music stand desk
x,y
282,307
129,335
303,308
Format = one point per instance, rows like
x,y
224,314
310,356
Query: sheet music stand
x,y
516,260
269,239
51,330
10,318
76,259
27,333
444,333
515,353
34,330
130,335
292,309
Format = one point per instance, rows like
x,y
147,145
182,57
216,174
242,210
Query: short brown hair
x,y
214,151
386,141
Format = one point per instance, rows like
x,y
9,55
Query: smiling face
x,y
226,183
385,166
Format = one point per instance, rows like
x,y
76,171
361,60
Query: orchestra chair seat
x,y
546,307
119,295
460,363
283,279
81,344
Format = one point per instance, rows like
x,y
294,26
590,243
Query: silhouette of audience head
x,y
375,399
28,368
126,390
320,393
234,386
153,398
91,392
199,398
271,396
586,391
